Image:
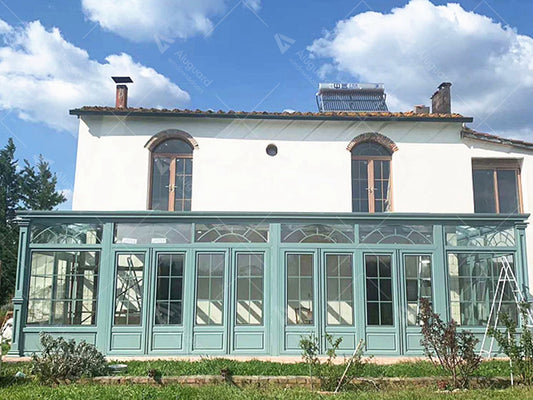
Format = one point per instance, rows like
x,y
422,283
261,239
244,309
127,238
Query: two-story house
x,y
201,232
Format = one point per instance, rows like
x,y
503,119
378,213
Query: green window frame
x,y
169,289
473,281
129,287
300,288
339,290
418,285
63,287
379,296
210,292
250,270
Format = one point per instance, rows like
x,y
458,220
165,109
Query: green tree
x,y
10,182
33,188
39,186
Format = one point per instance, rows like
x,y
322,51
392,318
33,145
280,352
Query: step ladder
x,y
507,276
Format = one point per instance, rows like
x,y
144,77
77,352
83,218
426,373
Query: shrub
x,y
453,351
328,372
62,360
519,348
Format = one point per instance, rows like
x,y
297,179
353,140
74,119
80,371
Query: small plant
x,y
519,348
310,351
453,351
329,373
62,360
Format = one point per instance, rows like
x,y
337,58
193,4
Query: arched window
x,y
171,180
371,177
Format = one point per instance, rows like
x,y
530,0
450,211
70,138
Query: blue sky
x,y
255,55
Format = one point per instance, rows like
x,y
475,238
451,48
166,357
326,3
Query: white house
x,y
200,232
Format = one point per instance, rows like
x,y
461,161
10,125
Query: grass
x,y
23,391
212,366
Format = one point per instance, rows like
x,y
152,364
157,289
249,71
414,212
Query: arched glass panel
x,y
370,149
173,146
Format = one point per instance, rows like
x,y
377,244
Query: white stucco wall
x,y
431,171
311,172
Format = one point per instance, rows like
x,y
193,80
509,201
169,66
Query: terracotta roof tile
x,y
472,134
410,115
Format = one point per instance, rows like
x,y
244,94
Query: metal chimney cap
x,y
121,79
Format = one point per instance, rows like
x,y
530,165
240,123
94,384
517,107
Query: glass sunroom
x,y
164,283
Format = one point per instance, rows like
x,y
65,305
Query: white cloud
x,y
414,48
156,20
42,76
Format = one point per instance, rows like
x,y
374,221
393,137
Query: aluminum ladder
x,y
506,276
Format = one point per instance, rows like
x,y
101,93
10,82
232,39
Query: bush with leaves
x,y
329,373
453,351
519,348
62,360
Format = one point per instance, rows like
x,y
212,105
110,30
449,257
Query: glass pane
x,y
359,186
508,191
417,283
395,234
378,289
160,183
183,189
300,292
169,288
472,296
231,233
210,288
173,146
249,307
157,232
370,149
63,288
74,233
129,289
316,233
339,290
484,198
480,236
381,185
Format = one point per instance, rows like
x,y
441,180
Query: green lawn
x,y
84,392
212,366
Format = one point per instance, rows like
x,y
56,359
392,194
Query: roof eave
x,y
471,134
126,113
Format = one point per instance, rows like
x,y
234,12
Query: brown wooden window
x,y
371,178
497,187
171,178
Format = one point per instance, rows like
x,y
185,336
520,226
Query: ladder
x,y
507,276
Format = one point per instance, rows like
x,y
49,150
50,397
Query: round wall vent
x,y
272,150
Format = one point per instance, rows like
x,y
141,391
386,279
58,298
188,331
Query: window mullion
x,y
370,189
496,193
172,185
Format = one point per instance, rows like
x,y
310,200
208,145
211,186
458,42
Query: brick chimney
x,y
122,90
421,109
441,102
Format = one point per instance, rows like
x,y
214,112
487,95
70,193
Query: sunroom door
x,y
210,320
129,302
169,305
381,300
249,308
300,302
